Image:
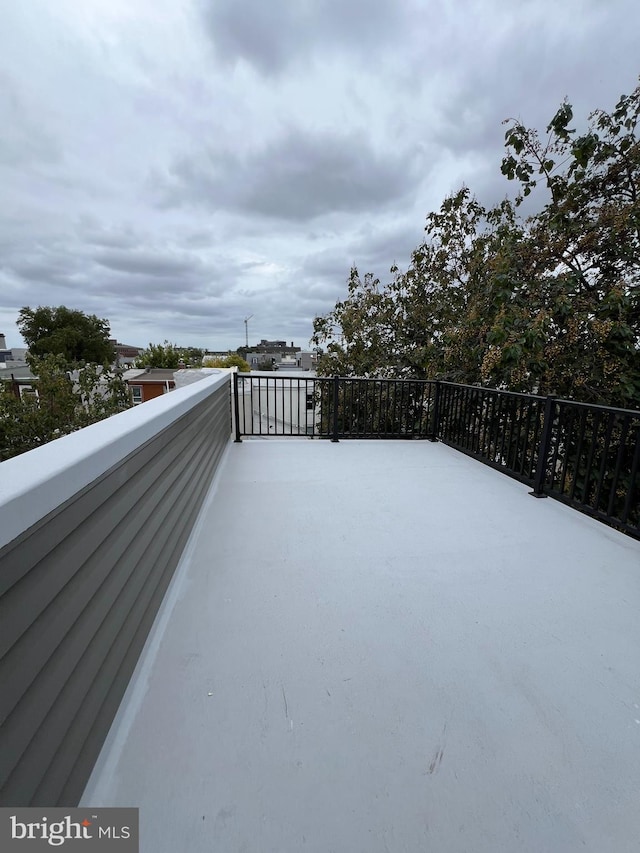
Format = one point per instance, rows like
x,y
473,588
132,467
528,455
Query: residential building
x,y
268,352
11,356
148,383
20,379
217,353
125,353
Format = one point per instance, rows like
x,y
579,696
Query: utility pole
x,y
246,330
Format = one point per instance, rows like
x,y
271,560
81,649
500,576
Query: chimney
x,y
292,344
3,343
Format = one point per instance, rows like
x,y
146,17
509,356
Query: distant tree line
x,y
230,360
71,355
77,384
63,401
170,356
546,303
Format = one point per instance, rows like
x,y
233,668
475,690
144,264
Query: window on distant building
x,y
136,394
28,392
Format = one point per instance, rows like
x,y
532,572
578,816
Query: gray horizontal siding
x,y
78,594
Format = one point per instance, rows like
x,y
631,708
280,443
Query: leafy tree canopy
x,y
547,303
160,355
75,336
170,356
191,356
65,402
231,360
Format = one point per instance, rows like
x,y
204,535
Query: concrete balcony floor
x,y
385,647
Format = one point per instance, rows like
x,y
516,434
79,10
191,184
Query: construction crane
x,y
246,330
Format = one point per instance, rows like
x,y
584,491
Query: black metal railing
x,y
379,408
332,407
281,406
584,455
592,460
501,428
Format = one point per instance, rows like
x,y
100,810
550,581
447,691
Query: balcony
x,y
286,644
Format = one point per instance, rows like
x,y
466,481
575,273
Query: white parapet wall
x,y
33,484
92,527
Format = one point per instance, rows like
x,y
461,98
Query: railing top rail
x,y
491,390
633,412
383,379
304,378
560,400
281,376
520,394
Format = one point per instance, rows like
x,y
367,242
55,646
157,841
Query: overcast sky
x,y
177,165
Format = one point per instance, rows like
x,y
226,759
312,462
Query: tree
x,y
231,360
170,356
100,393
360,333
549,303
166,355
431,319
191,356
65,402
75,336
587,288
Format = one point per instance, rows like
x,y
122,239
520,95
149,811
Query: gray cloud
x,y
89,230
23,141
376,249
174,167
299,176
271,36
523,68
329,263
150,263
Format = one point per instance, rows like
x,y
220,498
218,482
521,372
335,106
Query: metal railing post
x,y
436,412
543,452
334,436
236,407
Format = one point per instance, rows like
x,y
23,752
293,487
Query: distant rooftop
x,y
268,346
149,374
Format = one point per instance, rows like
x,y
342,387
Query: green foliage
x,y
75,336
191,356
165,355
231,360
101,394
548,304
66,401
170,356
